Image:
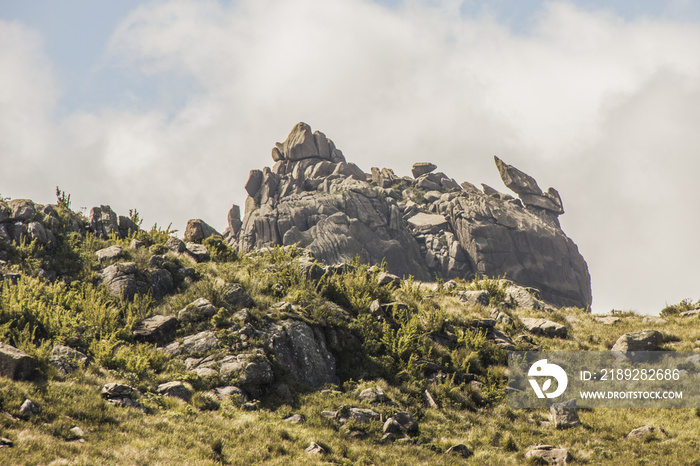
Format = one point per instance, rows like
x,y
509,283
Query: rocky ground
x,y
288,340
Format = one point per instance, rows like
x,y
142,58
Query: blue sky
x,y
165,106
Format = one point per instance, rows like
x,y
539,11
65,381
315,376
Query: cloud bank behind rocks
x,y
601,108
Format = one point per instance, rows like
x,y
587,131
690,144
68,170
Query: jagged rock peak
x,y
527,189
303,144
427,225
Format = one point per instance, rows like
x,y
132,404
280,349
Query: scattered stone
x,y
653,320
155,329
198,310
77,433
175,389
374,395
6,443
28,409
200,342
564,415
544,327
460,449
550,454
295,419
644,340
641,433
692,313
329,414
15,364
67,359
315,448
391,426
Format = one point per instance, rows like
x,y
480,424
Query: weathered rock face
x,y
302,352
426,226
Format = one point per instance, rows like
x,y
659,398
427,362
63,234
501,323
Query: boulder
x,y
405,422
121,281
360,415
67,359
197,310
161,283
197,252
28,409
644,340
251,370
21,210
103,222
549,453
300,144
224,393
155,329
121,395
126,226
645,432
199,343
564,415
14,364
198,230
421,168
428,223
176,245
315,449
236,296
302,353
110,253
37,232
544,327
175,389
516,180
374,395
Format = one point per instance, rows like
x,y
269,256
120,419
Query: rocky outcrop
x,y
427,225
301,351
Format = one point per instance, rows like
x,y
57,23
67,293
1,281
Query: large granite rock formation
x,y
426,226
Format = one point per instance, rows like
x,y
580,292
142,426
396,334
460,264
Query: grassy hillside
x,y
429,339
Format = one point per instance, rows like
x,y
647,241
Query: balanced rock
x,y
198,230
422,168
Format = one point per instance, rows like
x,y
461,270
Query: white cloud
x,y
601,108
